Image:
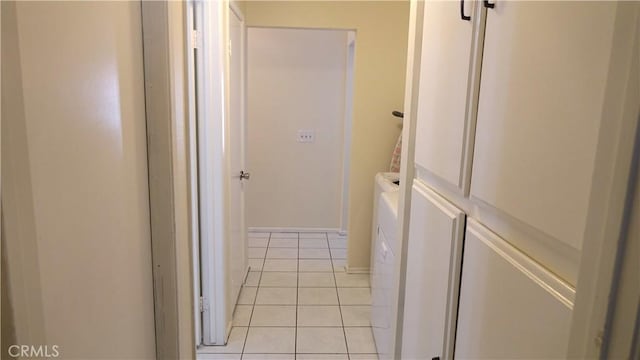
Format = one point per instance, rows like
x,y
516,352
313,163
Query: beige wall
x,y
7,330
381,47
74,183
296,81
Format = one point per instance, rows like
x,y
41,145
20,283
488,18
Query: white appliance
x,y
384,182
382,286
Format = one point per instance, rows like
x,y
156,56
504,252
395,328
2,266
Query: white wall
x,y
378,89
296,81
75,197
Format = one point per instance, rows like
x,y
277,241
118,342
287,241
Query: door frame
x,y
164,26
348,125
614,160
192,165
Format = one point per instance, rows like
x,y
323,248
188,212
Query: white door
x,y
539,119
238,230
546,161
433,265
219,76
510,306
442,134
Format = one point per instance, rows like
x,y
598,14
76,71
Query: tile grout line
x,y
297,303
255,299
344,331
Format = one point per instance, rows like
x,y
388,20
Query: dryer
x,y
383,305
384,182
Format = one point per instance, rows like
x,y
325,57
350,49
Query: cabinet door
x,y
444,83
540,110
510,307
433,263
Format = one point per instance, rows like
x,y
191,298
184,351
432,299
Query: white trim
x,y
176,18
407,170
233,5
293,229
551,283
623,315
348,124
471,112
606,205
193,170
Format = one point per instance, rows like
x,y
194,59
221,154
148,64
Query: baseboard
x,y
293,229
357,270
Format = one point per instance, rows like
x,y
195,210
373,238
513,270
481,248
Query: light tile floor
x,y
299,303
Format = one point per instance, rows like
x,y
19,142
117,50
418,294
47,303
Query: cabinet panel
x,y
442,99
433,261
544,70
510,307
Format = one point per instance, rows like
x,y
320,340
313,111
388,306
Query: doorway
x,y
301,105
299,128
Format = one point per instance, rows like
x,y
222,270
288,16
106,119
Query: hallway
x,y
299,303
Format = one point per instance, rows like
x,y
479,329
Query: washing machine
x,y
383,305
384,182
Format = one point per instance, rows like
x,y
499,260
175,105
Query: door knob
x,y
244,175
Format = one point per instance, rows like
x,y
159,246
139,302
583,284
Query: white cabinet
x,y
512,130
433,262
510,307
540,110
441,131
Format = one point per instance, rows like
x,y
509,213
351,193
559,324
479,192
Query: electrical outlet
x,y
306,136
